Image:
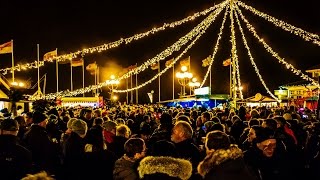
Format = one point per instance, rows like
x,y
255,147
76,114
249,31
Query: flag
x,y
185,62
6,48
50,55
206,61
169,62
154,66
226,62
91,67
77,62
132,67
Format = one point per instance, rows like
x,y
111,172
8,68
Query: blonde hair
x,y
38,176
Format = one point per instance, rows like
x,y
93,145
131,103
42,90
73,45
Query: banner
x,y
92,67
77,62
185,62
6,48
226,62
154,66
206,61
50,55
169,62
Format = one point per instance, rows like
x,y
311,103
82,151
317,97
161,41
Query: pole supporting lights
x,y
183,79
112,84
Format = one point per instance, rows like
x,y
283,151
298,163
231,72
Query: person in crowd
x,y
122,135
109,131
22,126
126,167
87,117
73,151
15,159
266,158
163,132
182,137
28,119
224,161
45,154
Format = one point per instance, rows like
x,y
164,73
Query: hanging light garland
x,y
175,47
234,51
252,60
104,47
307,36
215,48
274,54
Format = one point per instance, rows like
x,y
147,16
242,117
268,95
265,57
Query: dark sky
x,y
71,26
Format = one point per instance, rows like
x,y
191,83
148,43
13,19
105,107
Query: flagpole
x,y
38,69
95,76
209,58
12,61
98,77
137,101
127,91
57,70
159,80
173,82
71,83
83,76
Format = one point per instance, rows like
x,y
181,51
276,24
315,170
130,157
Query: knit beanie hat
x,y
38,117
79,126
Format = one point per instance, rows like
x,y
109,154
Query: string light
x,y
252,60
274,54
171,64
234,52
104,47
215,48
307,36
175,47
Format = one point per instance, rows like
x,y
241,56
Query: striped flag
x,y
77,62
154,66
6,48
226,62
206,61
50,55
169,62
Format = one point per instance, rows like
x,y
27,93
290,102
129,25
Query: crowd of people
x,y
129,142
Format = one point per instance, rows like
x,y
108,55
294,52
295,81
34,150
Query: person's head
x,y
253,131
217,140
120,121
79,127
270,123
135,148
265,141
98,121
88,114
280,121
146,118
287,116
9,127
97,113
205,116
253,122
181,131
163,148
184,118
218,126
123,130
28,118
110,126
40,118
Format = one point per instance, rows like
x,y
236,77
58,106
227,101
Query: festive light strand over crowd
x,y
175,47
251,58
104,47
234,52
307,36
274,54
171,64
215,48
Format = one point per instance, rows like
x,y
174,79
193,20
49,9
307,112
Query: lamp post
x,y
112,84
193,84
183,79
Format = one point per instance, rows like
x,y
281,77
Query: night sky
x,y
71,26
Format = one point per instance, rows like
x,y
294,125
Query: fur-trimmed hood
x,y
217,157
173,167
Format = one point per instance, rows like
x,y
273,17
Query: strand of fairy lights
x,y
104,47
307,36
170,65
175,47
252,60
274,54
234,51
215,48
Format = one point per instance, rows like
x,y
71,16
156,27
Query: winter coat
x,y
187,150
225,164
125,170
162,168
15,160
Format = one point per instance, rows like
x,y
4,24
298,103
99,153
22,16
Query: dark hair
x,y
163,148
98,121
146,117
254,121
206,115
217,126
133,146
216,119
271,123
217,140
184,118
280,120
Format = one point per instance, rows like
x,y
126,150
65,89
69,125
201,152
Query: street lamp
x,y
193,84
112,84
183,79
